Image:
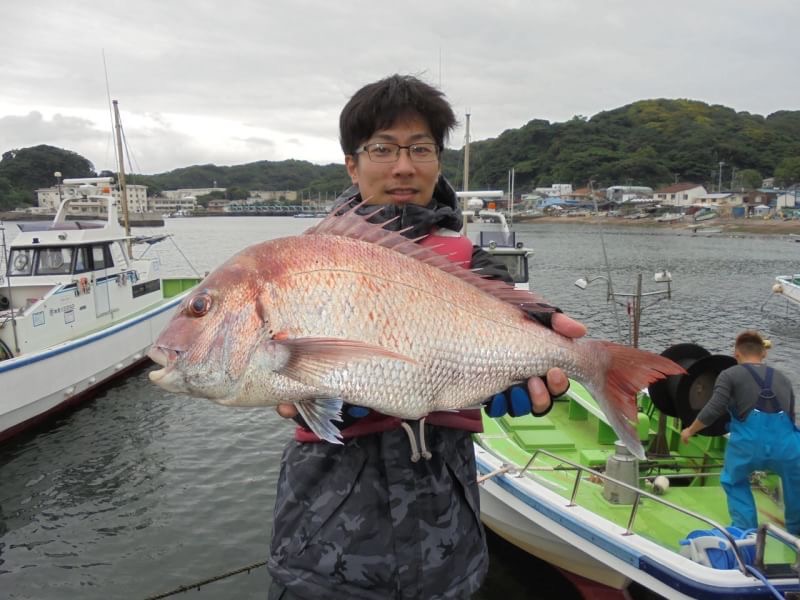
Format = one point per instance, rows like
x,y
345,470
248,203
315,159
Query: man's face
x,y
403,181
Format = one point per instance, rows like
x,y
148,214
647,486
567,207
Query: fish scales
x,y
465,343
350,311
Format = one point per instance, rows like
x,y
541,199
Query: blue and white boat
x,y
76,310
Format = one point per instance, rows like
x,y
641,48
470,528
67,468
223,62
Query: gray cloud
x,y
281,71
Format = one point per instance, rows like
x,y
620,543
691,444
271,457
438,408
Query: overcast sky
x,y
235,81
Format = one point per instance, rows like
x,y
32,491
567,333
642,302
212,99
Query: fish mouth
x,y
167,377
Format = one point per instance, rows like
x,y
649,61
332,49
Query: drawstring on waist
x,y
412,441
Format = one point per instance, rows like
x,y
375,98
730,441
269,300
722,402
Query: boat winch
x,y
622,466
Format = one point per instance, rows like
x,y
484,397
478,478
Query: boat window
x,y
21,261
516,264
101,258
81,259
118,255
54,261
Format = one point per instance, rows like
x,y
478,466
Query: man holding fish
x,y
373,330
396,529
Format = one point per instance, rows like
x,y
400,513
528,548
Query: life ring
x,y
21,262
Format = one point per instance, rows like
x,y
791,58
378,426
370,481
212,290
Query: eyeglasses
x,y
386,152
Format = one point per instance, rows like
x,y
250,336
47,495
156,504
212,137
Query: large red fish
x,y
350,311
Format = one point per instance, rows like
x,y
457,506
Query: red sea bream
x,y
350,311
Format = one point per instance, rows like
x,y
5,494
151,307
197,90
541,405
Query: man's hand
x,y
696,426
685,435
540,392
287,411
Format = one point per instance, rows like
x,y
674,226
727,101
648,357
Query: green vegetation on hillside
x,y
650,142
23,171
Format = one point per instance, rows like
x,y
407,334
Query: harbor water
x,y
140,491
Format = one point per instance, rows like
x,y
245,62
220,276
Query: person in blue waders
x,y
763,432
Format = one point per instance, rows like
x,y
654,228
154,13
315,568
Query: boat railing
x,y
639,494
780,534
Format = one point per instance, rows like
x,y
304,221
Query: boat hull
x,y
507,517
788,287
39,384
573,538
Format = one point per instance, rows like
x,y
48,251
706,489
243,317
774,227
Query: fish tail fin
x,y
629,370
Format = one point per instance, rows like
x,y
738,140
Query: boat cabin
x,y
64,260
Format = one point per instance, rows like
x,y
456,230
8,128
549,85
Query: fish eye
x,y
199,305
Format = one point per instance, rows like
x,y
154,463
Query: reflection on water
x,y
141,491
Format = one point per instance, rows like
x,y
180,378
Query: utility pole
x,y
719,185
466,157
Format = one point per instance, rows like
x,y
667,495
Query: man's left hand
x,y
540,391
557,382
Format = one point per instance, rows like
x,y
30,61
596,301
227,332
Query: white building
x,y
184,192
788,199
626,193
274,196
555,190
162,205
680,194
49,199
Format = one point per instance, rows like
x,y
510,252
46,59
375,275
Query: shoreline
x,y
727,226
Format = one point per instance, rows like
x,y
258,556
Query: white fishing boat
x,y
76,309
669,217
488,228
788,287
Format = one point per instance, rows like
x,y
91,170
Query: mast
x,y
466,157
123,190
466,175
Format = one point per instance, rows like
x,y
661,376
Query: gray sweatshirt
x,y
736,391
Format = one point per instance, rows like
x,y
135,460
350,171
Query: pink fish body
x,y
351,311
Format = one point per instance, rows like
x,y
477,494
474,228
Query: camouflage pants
x,y
362,522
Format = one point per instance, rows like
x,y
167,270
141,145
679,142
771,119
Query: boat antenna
x,y
110,107
123,190
465,182
605,261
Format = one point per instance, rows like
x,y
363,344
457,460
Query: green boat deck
x,y
576,431
172,286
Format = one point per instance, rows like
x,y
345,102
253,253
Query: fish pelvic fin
x,y
345,221
630,370
319,414
308,359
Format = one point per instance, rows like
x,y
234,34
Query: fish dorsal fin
x,y
344,221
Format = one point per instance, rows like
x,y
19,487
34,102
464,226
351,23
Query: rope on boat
x,y
495,473
199,584
759,575
191,266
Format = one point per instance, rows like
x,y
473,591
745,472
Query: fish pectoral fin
x,y
319,414
311,358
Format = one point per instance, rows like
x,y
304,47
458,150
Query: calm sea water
x,y
140,491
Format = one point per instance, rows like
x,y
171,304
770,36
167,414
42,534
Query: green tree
x,y
749,179
788,171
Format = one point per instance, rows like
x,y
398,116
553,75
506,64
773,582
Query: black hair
x,y
380,104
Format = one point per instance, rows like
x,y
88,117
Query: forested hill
x,y
650,142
